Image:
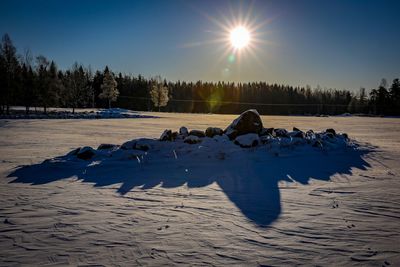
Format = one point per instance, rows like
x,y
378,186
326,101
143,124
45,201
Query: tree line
x,y
37,82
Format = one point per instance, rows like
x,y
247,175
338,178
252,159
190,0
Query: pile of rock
x,y
248,131
245,131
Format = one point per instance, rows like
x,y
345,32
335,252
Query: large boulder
x,y
213,131
248,122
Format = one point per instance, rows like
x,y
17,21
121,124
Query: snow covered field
x,y
324,208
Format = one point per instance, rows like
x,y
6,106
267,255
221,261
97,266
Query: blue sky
x,y
338,44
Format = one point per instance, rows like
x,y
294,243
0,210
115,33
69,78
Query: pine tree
x,y
28,95
394,93
55,85
8,67
76,87
109,87
159,94
42,82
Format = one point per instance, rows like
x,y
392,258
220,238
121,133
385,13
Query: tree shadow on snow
x,y
249,179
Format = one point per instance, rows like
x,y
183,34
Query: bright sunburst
x,y
239,37
240,33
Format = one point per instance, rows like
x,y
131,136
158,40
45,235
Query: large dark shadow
x,y
249,178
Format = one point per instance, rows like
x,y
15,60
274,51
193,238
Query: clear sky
x,y
338,44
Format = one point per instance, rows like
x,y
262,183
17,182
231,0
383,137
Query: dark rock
x,y
345,136
192,139
184,131
248,122
266,131
332,131
296,129
280,132
166,136
106,146
86,153
213,131
174,135
197,133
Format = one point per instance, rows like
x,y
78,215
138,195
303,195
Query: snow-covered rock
x,y
143,144
280,132
106,146
212,131
74,152
197,133
86,153
247,140
192,139
248,122
183,131
332,131
297,134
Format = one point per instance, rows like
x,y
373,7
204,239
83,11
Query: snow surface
x,y
212,203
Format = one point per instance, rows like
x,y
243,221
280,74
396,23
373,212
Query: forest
x,y
37,82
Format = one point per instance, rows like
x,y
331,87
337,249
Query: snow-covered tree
x,y
109,88
159,94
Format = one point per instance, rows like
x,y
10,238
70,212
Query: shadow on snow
x,y
249,180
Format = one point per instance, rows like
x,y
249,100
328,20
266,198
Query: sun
x,y
239,37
